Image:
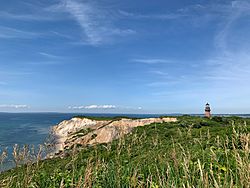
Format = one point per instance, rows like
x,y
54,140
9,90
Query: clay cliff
x,y
84,131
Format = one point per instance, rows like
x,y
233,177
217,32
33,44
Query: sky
x,y
133,56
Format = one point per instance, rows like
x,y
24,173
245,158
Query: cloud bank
x,y
16,106
107,106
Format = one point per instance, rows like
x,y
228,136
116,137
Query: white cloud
x,y
242,5
62,35
100,107
9,33
236,11
195,7
152,61
107,106
49,55
16,106
231,61
34,11
95,22
233,67
93,107
36,16
158,72
168,16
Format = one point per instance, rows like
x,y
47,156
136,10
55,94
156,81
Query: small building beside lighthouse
x,y
207,111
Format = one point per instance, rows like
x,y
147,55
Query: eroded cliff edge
x,y
85,131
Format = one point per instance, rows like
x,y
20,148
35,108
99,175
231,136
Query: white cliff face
x,y
119,128
70,126
67,132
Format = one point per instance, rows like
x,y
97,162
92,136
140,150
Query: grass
x,y
193,152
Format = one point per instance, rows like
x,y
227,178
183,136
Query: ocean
x,y
33,129
25,128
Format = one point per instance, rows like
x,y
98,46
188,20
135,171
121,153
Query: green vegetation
x,y
193,152
81,133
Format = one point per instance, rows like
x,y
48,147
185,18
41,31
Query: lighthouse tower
x,y
207,111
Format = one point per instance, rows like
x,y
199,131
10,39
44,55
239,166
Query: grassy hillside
x,y
193,152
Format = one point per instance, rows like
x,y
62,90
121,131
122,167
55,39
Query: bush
x,y
217,119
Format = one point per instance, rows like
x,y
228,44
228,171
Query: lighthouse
x,y
207,111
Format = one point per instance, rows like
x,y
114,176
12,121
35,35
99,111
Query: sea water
x,y
33,129
25,128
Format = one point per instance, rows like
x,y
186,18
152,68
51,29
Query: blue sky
x,y
129,56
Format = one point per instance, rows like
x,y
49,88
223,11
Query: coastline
x,y
60,141
167,148
93,131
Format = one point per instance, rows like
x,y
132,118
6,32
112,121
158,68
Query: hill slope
x,y
193,152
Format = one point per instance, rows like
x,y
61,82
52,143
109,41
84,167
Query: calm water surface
x,y
33,129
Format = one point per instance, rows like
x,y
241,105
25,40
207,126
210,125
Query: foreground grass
x,y
194,152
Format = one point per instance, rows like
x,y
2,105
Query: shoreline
x,y
97,131
59,141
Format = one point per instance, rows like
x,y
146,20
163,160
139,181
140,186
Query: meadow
x,y
192,152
